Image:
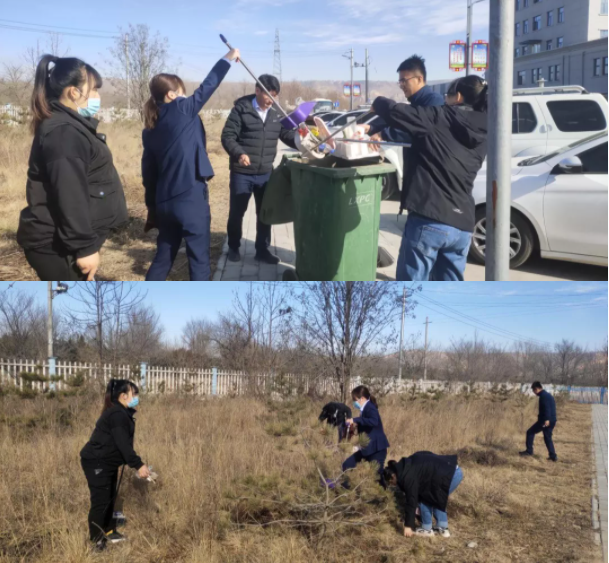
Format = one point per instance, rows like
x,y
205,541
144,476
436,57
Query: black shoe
x,y
525,453
266,257
233,255
115,537
555,458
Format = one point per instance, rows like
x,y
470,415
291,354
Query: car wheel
x,y
390,185
522,240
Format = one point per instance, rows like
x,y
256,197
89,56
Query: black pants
x,y
241,188
50,265
102,486
547,437
378,457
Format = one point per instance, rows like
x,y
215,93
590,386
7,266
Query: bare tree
x,y
15,84
345,321
141,334
53,45
198,336
137,56
22,326
569,358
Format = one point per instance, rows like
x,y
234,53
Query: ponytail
x,y
474,91
49,83
114,389
362,391
160,86
481,103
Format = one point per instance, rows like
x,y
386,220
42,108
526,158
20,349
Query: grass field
x,y
128,253
239,483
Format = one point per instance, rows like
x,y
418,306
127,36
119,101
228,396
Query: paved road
x,y
599,430
391,227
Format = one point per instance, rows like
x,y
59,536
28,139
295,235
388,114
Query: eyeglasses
x,y
404,80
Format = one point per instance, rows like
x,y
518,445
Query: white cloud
x,y
261,32
581,288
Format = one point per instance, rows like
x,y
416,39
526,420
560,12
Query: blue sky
x,y
314,33
543,311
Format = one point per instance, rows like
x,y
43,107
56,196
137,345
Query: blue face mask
x,y
93,105
356,405
133,402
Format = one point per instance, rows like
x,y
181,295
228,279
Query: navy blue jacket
x,y
175,151
547,407
369,422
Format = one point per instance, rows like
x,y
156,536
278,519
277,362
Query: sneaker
x,y
233,255
119,518
525,453
424,532
101,545
267,257
115,537
444,532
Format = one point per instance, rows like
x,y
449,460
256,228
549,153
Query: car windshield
x,y
545,157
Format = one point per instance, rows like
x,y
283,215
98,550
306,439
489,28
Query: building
x,y
562,42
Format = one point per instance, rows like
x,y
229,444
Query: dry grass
x,y
127,255
208,452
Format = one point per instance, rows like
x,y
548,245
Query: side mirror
x,y
569,165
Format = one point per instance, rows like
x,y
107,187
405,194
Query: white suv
x,y
543,120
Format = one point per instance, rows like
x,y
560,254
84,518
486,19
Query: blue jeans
x,y
440,516
432,250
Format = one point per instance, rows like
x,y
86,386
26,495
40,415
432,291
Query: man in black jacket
x,y
250,138
546,421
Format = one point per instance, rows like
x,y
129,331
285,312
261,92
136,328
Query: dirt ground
x,y
233,469
128,253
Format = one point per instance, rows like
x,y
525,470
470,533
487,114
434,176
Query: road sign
x,y
479,55
336,104
357,90
456,56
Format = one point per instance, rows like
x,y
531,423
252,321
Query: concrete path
x,y
391,228
599,431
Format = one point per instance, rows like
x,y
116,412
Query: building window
x,y
604,7
536,23
605,66
560,41
550,19
554,73
603,33
549,45
536,48
522,77
536,1
517,5
561,15
557,73
525,3
525,27
536,74
517,29
597,67
525,50
516,52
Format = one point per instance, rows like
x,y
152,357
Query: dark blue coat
x,y
369,422
547,407
175,156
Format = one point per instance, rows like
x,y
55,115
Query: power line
x,y
17,28
60,27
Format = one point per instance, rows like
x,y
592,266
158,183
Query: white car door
x,y
529,130
575,204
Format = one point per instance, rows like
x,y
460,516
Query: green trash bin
x,y
336,219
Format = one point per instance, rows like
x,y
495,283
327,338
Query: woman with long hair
x,y
176,170
448,149
110,447
368,422
74,193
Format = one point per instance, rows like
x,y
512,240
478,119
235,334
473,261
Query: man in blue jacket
x,y
546,420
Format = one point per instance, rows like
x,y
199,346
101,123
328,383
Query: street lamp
x,y
61,288
470,5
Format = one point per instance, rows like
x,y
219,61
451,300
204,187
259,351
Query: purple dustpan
x,y
293,120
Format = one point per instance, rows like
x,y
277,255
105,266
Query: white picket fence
x,y
212,381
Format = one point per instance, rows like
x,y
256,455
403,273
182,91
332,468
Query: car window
x,y
523,118
543,158
342,120
572,116
594,160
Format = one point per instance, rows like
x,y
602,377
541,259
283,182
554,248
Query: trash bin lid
x,y
317,167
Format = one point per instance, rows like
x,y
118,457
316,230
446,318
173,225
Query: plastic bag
x,y
277,205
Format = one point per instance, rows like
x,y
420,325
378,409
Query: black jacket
x,y
74,193
245,133
425,477
547,407
449,147
335,413
111,444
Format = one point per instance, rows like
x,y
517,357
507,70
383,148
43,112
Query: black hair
x,y
452,88
474,91
536,385
362,391
390,470
114,389
49,84
413,64
270,82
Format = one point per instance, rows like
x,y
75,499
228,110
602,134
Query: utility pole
x,y
277,58
61,288
367,63
347,339
499,170
128,72
468,35
425,353
351,97
402,333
